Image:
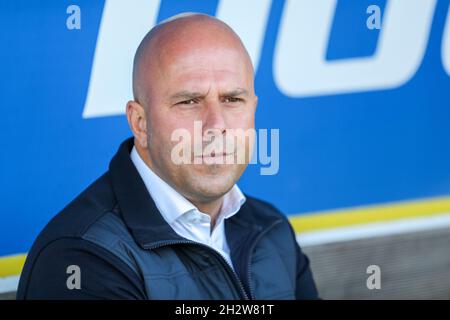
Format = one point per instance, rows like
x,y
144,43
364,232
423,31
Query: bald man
x,y
167,220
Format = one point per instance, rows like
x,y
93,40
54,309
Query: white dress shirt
x,y
185,218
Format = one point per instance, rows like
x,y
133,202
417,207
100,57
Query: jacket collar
x,y
146,223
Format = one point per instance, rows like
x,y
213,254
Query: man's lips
x,y
213,155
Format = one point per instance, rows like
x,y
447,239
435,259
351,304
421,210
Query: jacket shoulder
x,y
81,213
95,202
265,208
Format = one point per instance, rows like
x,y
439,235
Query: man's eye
x,y
231,99
190,101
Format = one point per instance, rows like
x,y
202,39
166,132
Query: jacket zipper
x,y
222,260
216,254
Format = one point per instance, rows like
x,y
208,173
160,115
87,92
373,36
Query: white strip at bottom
x,y
376,229
9,284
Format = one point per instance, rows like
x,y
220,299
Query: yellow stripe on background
x,y
12,265
369,214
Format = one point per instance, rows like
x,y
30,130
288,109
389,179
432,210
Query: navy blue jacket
x,y
125,250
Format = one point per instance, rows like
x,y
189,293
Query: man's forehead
x,y
192,47
219,65
200,51
203,66
199,79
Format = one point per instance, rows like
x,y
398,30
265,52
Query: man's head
x,y
191,68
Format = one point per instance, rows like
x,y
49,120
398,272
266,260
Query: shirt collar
x,y
170,203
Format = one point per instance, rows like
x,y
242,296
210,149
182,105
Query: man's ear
x,y
138,122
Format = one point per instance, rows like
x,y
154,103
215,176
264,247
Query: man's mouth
x,y
213,155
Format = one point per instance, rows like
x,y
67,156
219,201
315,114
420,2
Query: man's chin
x,y
211,186
212,181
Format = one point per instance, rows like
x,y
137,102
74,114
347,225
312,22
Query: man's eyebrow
x,y
234,93
185,95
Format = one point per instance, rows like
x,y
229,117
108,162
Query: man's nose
x,y
214,117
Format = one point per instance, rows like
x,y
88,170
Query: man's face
x,y
214,85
